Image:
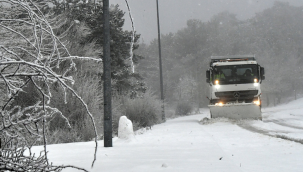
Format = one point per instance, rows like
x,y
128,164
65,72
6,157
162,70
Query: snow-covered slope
x,y
184,144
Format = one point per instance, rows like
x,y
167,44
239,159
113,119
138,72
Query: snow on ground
x,y
285,120
183,144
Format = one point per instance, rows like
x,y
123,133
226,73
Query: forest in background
x,y
51,82
274,36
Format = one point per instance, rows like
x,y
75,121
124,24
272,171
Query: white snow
x,y
183,144
284,120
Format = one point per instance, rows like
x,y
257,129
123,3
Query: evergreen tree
x,y
90,15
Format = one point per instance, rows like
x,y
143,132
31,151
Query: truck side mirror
x,y
262,72
208,76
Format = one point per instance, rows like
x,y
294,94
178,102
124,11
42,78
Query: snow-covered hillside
x,y
185,144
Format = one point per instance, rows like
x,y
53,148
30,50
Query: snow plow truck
x,y
235,87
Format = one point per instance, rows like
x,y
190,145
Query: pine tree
x,y
90,15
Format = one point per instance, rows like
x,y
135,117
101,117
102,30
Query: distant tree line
x,y
274,35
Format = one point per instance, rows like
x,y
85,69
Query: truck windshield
x,y
235,74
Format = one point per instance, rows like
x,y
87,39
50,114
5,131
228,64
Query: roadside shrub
x,y
183,108
89,88
143,111
116,114
169,112
63,136
79,132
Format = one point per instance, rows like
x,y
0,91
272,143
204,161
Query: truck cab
x,y
234,80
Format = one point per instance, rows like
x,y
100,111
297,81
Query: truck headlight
x,y
255,80
219,104
216,82
257,102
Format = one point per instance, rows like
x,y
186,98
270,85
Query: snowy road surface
x,y
183,144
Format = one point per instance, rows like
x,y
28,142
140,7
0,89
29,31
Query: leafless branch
x,y
132,39
30,53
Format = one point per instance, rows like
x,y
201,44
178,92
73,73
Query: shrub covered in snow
x,y
89,89
183,108
144,111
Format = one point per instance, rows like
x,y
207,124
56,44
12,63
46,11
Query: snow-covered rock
x,y
125,130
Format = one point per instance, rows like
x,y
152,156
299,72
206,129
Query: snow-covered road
x,y
183,144
285,121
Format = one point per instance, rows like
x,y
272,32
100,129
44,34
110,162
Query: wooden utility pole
x,y
160,65
107,92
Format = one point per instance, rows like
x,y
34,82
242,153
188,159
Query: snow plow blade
x,y
236,111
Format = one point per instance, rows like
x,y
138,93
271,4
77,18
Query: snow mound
x,y
125,130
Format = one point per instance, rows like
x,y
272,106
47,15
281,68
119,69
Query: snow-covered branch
x,y
31,53
132,39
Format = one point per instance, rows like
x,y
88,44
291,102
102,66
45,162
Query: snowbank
x,y
125,130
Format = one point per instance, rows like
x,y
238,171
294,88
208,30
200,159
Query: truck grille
x,y
236,94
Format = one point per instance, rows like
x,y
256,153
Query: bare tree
x,y
31,54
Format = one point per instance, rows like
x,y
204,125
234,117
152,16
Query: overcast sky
x,y
175,13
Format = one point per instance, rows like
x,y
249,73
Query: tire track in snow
x,y
283,123
249,127
245,124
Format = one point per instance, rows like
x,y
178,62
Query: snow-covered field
x,y
184,144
